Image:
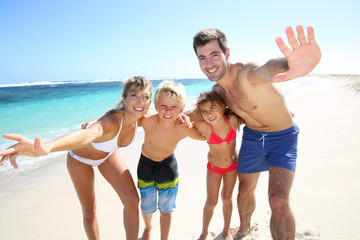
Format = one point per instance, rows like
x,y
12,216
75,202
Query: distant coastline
x,y
22,84
43,83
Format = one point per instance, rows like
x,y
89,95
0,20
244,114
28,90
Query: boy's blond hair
x,y
171,89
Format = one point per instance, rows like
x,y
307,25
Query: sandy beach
x,y
325,196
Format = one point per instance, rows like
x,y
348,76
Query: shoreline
x,y
42,204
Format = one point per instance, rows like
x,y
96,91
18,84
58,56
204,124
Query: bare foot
x,y
146,234
227,235
240,235
203,236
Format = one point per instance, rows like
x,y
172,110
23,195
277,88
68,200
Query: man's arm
x,y
299,61
267,71
303,57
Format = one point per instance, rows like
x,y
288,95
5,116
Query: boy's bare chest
x,y
163,137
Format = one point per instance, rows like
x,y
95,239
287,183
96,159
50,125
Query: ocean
x,y
51,109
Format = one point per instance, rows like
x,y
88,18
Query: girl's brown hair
x,y
214,97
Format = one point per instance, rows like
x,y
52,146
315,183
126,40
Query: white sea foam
x,y
25,84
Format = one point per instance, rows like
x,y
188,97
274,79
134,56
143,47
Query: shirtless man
x,y
270,135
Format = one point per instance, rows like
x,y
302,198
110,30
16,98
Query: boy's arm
x,y
194,133
193,115
85,125
184,120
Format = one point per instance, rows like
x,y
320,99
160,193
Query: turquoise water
x,y
49,110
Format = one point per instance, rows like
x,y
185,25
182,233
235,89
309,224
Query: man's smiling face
x,y
212,60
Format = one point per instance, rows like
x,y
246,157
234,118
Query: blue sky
x,y
42,40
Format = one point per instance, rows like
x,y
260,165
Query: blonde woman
x,y
96,146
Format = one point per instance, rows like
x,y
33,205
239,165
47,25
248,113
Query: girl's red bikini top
x,y
215,139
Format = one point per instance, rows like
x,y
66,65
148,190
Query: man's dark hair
x,y
205,36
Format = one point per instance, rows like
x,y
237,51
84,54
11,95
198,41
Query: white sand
x,y
325,196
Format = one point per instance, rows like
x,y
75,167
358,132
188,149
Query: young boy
x,y
157,170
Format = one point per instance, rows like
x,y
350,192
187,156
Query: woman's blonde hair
x,y
134,84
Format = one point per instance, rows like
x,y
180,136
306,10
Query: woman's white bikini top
x,y
112,144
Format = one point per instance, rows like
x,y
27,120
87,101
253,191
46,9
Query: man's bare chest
x,y
239,102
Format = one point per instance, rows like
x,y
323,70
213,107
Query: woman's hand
x,y
24,147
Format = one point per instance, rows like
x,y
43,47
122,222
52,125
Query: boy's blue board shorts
x,y
158,179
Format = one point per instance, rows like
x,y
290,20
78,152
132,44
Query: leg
x,y
148,193
282,223
118,175
167,199
229,180
82,176
246,200
213,182
147,231
167,185
165,223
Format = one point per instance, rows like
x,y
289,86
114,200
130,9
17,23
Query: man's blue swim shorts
x,y
261,150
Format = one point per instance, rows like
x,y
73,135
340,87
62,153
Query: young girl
x,y
97,146
219,127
